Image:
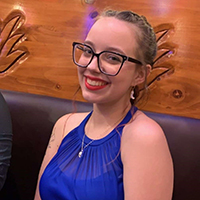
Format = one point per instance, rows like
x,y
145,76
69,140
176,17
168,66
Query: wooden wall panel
x,y
36,43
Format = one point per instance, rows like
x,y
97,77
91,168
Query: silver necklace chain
x,y
83,147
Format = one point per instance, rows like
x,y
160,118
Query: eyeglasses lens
x,y
82,55
109,62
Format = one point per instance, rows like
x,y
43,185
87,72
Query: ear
x,y
141,75
148,69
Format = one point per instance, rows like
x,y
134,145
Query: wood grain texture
x,y
50,27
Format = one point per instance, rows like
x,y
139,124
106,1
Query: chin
x,y
89,96
90,99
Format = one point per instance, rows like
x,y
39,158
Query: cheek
x,y
122,83
80,75
128,75
80,72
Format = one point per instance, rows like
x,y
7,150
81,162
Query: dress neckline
x,y
120,126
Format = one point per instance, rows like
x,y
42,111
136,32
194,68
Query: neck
x,y
105,118
113,109
110,113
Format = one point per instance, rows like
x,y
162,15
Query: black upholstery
x,y
33,117
5,140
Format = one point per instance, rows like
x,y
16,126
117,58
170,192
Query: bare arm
x,y
62,127
54,143
148,168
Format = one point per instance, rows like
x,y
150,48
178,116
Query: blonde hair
x,y
146,37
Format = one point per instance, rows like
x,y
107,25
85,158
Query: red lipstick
x,y
91,83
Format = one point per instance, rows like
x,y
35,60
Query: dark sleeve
x,y
5,140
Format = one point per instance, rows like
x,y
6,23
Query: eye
x,y
112,58
86,51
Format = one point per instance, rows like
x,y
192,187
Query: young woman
x,y
115,151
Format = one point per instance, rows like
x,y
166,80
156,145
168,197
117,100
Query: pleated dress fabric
x,y
97,175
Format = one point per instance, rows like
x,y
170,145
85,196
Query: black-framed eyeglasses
x,y
109,63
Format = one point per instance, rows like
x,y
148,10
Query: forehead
x,y
112,32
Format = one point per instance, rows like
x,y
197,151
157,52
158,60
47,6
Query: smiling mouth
x,y
95,83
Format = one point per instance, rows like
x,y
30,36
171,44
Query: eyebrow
x,y
113,49
87,42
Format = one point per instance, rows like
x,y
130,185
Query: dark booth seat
x,y
33,117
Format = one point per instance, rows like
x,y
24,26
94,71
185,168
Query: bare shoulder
x,y
63,126
70,121
143,129
141,134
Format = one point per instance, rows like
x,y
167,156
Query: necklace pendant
x,y
80,153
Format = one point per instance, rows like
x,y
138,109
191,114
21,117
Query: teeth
x,y
95,83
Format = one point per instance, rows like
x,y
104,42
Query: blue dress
x,y
97,175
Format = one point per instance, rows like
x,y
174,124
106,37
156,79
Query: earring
x,y
132,94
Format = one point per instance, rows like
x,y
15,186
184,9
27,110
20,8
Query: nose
x,y
93,66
